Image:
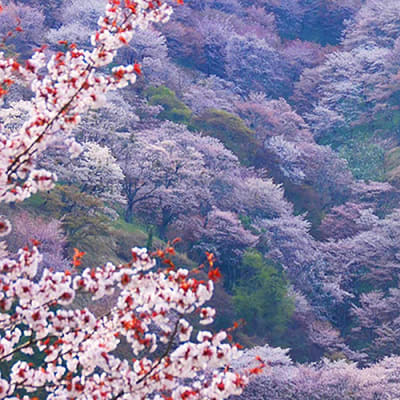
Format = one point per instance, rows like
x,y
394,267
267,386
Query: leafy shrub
x,y
392,166
365,160
231,130
174,109
83,220
262,297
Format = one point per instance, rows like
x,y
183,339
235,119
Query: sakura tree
x,y
291,153
212,92
328,380
223,232
321,20
348,80
346,220
72,351
253,64
13,17
355,88
95,172
164,173
78,20
375,23
50,235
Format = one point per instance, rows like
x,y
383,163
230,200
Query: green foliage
x,y
392,159
80,212
248,224
356,143
149,242
231,130
307,201
127,235
262,297
35,201
365,159
227,127
90,230
392,166
131,228
125,240
174,109
84,221
388,121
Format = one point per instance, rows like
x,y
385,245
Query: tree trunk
x,y
128,216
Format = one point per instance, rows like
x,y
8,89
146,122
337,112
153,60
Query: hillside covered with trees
x,y
264,132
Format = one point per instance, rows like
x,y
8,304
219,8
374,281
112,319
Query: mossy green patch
x,y
366,160
230,130
392,159
174,109
392,166
262,298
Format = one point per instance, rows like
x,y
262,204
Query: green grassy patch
x,y
366,160
174,109
231,131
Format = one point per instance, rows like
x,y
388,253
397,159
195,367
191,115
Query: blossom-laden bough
x,y
78,349
73,352
71,84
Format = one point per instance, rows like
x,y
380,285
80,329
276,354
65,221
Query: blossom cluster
x,y
48,345
73,83
79,347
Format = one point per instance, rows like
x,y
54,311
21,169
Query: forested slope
x,y
265,132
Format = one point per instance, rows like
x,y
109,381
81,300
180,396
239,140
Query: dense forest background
x,y
266,132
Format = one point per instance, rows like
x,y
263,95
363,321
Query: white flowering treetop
x,y
73,351
96,171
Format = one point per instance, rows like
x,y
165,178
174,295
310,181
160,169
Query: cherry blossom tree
x,y
321,21
96,172
350,100
291,154
223,233
27,21
348,84
49,234
347,220
78,20
209,93
376,22
377,322
164,173
254,64
330,380
72,350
